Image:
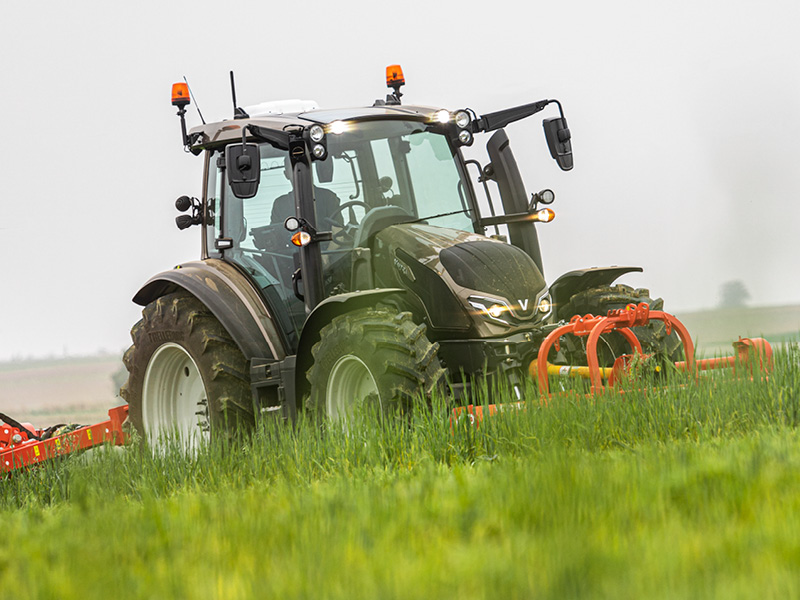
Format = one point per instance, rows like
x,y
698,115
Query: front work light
x,y
338,127
316,133
442,116
462,119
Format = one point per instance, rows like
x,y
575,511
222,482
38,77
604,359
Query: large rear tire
x,y
377,359
653,337
186,376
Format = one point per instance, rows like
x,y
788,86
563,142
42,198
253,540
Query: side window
x,y
212,204
275,187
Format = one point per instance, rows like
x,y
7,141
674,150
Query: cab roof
x,y
221,132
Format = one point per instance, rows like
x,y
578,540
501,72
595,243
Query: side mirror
x,y
558,140
243,164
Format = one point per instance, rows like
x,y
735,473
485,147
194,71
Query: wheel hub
x,y
350,384
174,399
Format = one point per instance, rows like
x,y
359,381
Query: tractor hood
x,y
460,276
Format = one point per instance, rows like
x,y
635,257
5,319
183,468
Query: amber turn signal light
x,y
545,215
301,238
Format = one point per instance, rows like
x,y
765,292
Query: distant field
x,y
44,392
714,330
81,389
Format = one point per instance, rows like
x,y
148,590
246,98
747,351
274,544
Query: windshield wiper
x,y
447,214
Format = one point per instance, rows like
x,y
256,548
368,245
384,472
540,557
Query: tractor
x,y
354,257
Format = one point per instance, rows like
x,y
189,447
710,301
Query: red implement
x,y
22,446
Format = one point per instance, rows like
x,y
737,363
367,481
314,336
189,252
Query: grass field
x,y
679,493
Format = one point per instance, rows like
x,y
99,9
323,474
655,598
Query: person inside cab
x,y
327,202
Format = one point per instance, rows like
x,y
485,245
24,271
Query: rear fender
x,y
572,282
231,298
323,314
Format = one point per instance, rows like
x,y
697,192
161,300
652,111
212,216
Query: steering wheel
x,y
347,233
349,204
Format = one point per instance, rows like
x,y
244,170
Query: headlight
x,y
492,308
462,119
464,136
545,305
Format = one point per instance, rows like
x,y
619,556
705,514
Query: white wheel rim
x,y
172,396
350,384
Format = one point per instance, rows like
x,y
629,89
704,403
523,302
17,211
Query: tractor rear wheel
x,y
186,376
653,337
372,358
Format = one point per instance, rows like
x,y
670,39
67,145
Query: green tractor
x,y
347,259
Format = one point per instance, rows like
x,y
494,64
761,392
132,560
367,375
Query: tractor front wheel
x,y
374,359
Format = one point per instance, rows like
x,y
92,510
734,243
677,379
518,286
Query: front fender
x,y
231,298
572,282
323,314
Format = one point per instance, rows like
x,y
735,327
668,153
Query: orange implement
x,y
22,446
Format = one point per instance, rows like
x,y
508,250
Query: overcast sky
x,y
684,116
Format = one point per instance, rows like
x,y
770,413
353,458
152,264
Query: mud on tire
x,y
185,373
375,356
599,300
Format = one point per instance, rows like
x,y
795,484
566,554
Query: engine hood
x,y
477,270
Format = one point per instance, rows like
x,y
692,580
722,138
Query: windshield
x,y
402,164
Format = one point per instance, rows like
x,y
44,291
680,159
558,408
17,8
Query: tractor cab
x,y
296,196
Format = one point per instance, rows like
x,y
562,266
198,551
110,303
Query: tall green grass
x,y
675,492
714,407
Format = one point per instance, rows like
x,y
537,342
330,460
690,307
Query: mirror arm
x,y
279,139
501,118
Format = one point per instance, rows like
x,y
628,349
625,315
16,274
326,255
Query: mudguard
x,y
573,282
230,296
323,314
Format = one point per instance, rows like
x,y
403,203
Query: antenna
x,y
196,105
238,113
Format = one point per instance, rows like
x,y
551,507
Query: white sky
x,y
684,117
